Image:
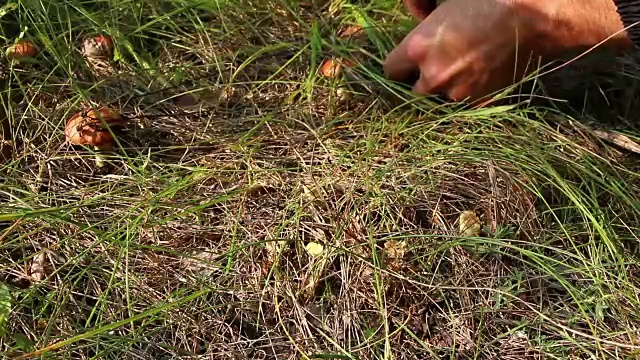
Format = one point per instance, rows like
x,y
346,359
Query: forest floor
x,y
255,209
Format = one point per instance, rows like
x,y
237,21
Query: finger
x,y
444,87
404,60
435,78
398,66
422,87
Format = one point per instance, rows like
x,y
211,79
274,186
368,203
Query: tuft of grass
x,y
193,240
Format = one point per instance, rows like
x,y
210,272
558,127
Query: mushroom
x,y
100,46
91,128
333,67
21,50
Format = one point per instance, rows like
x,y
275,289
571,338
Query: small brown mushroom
x,y
21,50
88,128
100,46
92,128
333,67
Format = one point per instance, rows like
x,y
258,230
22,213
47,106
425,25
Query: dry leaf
x,y
309,194
470,224
314,249
201,263
37,271
353,30
395,249
274,248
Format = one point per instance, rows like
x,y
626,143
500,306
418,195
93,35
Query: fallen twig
x,y
618,139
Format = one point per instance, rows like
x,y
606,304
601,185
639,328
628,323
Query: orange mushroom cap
x,y
22,49
88,128
333,67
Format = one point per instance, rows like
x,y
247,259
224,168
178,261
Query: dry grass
x,y
192,241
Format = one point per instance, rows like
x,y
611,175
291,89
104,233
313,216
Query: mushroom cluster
x,y
99,46
90,127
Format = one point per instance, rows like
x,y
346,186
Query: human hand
x,y
468,49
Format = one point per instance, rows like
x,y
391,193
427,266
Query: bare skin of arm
x,y
468,49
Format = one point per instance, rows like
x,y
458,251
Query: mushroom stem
x,y
101,151
100,159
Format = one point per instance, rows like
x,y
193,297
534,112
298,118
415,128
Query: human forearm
x,y
582,23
